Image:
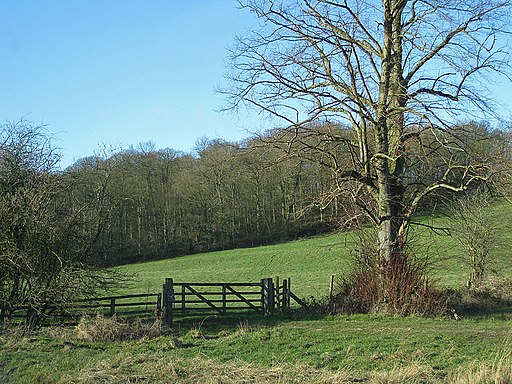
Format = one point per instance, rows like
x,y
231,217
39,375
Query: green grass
x,y
282,348
361,346
309,263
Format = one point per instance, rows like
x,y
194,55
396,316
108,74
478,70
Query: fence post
x,y
112,306
159,305
168,292
224,303
267,295
331,294
270,296
277,294
285,294
288,298
183,299
263,295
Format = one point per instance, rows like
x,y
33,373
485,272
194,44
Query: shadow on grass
x,y
214,324
209,325
501,313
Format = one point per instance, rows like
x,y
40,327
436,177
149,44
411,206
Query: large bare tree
x,y
398,73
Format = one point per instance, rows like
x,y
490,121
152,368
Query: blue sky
x,y
119,72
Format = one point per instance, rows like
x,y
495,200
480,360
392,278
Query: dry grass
x,y
149,369
101,328
499,372
415,373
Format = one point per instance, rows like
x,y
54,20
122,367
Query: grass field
x,y
308,262
311,262
333,349
285,349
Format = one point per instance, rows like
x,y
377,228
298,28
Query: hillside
x,y
310,262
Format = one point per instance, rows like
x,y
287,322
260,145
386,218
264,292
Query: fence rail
x,y
111,305
266,296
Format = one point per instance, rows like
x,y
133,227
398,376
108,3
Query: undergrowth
x,y
399,285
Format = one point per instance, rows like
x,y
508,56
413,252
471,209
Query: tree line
x,y
145,203
371,96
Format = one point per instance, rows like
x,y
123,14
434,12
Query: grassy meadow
x,y
311,262
308,262
292,348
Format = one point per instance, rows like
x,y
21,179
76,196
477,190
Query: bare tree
x,y
399,74
475,228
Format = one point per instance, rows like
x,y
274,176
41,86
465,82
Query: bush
x,y
397,286
491,293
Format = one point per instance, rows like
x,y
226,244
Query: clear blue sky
x,y
119,72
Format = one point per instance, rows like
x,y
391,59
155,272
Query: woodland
x,y
61,228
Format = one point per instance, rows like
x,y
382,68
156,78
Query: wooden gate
x,y
265,296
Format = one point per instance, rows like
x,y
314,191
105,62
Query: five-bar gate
x,y
265,296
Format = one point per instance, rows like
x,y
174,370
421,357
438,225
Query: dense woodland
x,y
146,203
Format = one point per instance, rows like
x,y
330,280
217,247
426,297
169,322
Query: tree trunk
x,y
390,198
389,164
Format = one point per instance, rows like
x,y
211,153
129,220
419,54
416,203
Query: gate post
x,y
159,305
277,294
271,296
168,292
288,296
285,295
268,297
263,296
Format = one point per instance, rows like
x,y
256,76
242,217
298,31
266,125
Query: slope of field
x,y
310,262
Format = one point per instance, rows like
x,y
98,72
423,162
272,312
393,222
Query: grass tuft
x,y
499,372
415,373
100,328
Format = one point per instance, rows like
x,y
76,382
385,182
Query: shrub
x,y
491,293
399,285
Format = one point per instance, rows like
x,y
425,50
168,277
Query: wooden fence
x,y
177,299
122,305
129,305
265,296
